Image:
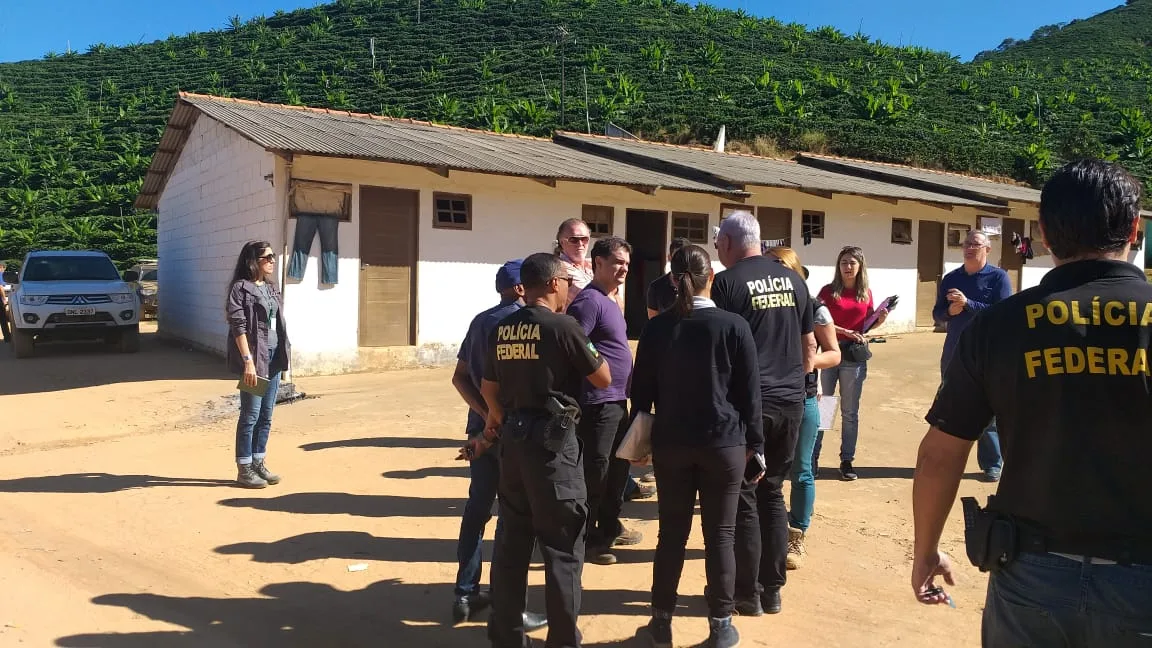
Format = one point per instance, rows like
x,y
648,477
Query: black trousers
x,y
716,474
602,428
762,517
4,321
542,500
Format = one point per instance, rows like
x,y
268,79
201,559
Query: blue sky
x,y
30,28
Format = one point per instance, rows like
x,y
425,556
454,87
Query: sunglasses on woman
x,y
267,257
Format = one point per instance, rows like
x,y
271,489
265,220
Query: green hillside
x,y
77,130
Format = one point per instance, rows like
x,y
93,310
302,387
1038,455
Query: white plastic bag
x,y
637,443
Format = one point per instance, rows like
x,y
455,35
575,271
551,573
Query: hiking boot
x,y
600,556
246,476
261,469
648,477
660,630
770,600
642,491
796,550
749,606
847,472
628,537
465,607
722,634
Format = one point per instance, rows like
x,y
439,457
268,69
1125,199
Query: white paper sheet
x,y
828,406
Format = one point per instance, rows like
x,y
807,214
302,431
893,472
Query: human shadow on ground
x,y
880,472
353,504
100,483
430,471
386,442
303,614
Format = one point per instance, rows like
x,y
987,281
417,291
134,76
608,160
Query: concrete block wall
x,y
216,199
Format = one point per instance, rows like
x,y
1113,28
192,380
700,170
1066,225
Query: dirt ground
x,y
119,526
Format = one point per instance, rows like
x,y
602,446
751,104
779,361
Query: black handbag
x,y
853,351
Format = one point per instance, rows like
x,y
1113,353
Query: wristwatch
x,y
246,358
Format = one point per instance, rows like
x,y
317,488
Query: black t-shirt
x,y
661,293
535,353
775,302
1065,369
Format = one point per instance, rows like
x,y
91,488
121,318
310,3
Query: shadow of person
x,y
353,504
418,443
100,483
430,471
351,545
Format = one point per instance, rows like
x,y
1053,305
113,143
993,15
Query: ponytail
x,y
691,268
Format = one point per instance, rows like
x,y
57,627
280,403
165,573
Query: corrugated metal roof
x,y
942,181
743,169
343,134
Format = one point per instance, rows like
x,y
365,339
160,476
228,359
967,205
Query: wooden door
x,y
775,224
647,232
388,227
1009,258
929,269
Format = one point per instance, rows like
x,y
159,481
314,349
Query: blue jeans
x,y
1051,601
988,446
851,376
803,495
485,477
255,422
307,225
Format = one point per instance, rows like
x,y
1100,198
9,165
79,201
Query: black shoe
x,y
749,607
660,631
534,621
722,634
847,472
770,600
465,607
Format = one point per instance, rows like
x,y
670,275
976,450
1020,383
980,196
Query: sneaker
x,y
796,550
246,476
628,537
749,606
847,472
659,630
648,477
642,491
465,607
770,599
600,556
722,634
261,469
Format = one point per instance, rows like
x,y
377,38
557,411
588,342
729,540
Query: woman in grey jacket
x,y
257,348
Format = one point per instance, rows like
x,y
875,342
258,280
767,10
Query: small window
x,y
728,209
693,227
957,232
1038,248
599,220
902,231
453,211
811,225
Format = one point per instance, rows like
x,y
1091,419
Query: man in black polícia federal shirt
x,y
537,361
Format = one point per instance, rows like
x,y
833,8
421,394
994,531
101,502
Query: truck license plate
x,y
81,310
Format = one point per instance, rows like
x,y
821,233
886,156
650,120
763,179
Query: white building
x,y
425,214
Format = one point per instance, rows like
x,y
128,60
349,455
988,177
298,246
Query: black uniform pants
x,y
762,517
602,427
543,500
716,474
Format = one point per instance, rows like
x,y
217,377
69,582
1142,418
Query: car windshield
x,y
70,268
148,275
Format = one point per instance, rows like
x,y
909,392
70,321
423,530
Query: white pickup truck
x,y
69,295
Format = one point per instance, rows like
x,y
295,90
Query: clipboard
x,y
261,388
888,304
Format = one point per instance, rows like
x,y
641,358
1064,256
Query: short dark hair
x,y
606,247
1089,206
676,244
538,269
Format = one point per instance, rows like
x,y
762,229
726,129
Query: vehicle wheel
x,y
129,341
22,343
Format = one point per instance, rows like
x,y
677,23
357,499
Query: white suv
x,y
73,295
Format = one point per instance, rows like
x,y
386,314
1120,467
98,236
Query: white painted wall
x,y
216,199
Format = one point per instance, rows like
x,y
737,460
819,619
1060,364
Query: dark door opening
x,y
647,231
929,269
1010,259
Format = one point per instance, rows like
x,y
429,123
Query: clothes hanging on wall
x,y
307,227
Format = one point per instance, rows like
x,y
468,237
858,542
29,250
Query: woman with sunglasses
x,y
573,240
803,494
258,349
849,300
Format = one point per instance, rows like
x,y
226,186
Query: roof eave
x,y
168,151
836,166
650,162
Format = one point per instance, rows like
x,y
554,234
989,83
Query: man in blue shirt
x,y
484,469
963,293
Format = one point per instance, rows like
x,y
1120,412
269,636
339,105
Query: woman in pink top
x,y
849,300
572,243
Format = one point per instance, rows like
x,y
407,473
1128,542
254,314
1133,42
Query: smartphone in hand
x,y
755,469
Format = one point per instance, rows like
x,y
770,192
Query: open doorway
x,y
647,231
1010,259
929,269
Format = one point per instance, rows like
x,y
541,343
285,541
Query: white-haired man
x,y
775,302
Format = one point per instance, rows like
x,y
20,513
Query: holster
x,y
990,538
561,422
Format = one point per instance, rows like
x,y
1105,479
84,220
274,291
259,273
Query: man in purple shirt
x,y
604,412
